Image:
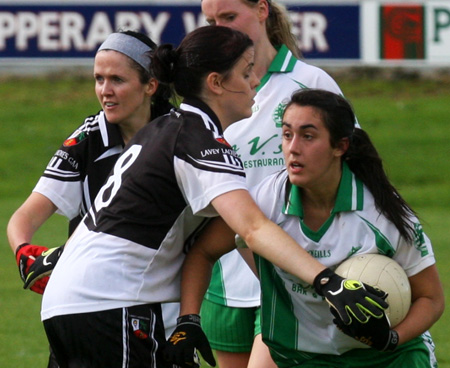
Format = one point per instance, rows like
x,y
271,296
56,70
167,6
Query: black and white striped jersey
x,y
78,169
130,246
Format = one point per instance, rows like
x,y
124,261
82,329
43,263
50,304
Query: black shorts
x,y
119,338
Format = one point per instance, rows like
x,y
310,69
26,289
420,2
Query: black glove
x,y
350,298
42,266
185,340
376,332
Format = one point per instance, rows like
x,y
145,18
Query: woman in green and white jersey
x,y
232,301
335,199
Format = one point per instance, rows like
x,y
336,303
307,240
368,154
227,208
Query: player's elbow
x,y
253,232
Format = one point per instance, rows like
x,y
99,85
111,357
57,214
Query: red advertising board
x,y
402,32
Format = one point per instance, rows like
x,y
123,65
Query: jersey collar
x,y
283,62
350,196
110,133
204,110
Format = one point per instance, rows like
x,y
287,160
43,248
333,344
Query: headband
x,y
129,46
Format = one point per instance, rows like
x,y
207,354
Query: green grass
x,y
36,116
408,123
407,120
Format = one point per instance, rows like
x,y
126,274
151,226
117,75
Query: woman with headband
x,y
231,308
130,97
101,307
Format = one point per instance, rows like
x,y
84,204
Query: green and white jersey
x,y
257,141
295,320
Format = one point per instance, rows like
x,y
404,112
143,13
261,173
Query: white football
x,y
384,273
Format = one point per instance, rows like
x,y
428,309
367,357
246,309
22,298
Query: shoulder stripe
x,y
91,123
383,244
231,166
60,173
206,120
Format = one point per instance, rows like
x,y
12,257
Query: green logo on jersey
x,y
301,85
419,239
299,288
278,113
76,138
255,147
353,251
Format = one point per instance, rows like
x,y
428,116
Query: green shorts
x,y
417,353
230,329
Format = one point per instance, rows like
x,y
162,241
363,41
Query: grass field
x,y
407,118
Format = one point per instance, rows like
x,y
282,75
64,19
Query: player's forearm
x,y
28,218
265,237
427,306
196,276
421,317
275,245
19,231
215,240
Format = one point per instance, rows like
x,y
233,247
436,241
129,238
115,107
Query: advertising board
x,y
361,32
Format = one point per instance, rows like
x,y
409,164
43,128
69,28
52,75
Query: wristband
x,y
392,342
189,318
20,247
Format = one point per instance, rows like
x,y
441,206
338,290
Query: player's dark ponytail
x,y
164,62
365,162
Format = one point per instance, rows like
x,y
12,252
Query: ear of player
x,y
351,299
186,339
35,264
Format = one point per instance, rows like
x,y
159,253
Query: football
x,y
384,273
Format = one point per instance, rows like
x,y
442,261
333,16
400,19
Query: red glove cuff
x,y
29,250
39,286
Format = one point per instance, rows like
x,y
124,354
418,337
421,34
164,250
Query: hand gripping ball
x,y
385,273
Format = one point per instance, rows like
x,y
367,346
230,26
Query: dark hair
x,y
361,156
204,50
161,99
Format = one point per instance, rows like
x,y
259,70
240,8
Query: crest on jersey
x,y
74,139
140,328
278,113
223,141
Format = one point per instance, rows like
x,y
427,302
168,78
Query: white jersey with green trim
x,y
257,141
294,319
